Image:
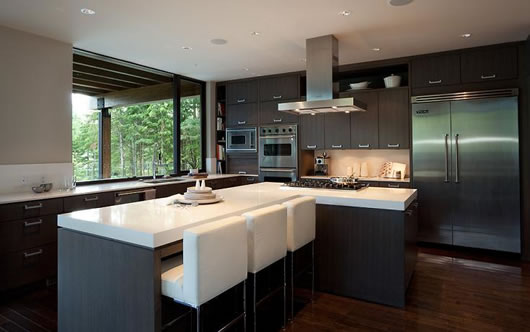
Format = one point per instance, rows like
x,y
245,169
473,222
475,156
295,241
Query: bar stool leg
x,y
254,304
245,305
313,271
292,286
284,292
199,318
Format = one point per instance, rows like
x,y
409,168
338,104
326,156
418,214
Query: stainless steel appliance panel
x,y
485,162
431,130
241,140
277,174
278,151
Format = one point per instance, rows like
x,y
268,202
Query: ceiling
x,y
152,33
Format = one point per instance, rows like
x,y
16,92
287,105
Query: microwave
x,y
241,140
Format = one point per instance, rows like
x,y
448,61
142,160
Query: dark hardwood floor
x,y
450,291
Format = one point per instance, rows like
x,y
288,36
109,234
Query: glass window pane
x,y
85,132
190,125
140,134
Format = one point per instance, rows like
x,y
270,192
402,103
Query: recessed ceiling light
x,y
218,41
186,48
345,13
303,59
399,2
88,11
245,69
255,33
465,35
376,49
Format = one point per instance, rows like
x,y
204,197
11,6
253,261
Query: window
x,y
190,126
140,134
85,131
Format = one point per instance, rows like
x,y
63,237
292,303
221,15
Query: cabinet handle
x,y
32,207
311,146
435,82
364,146
276,120
488,77
35,223
241,100
277,97
242,172
91,199
446,159
415,205
241,122
408,213
393,145
391,185
336,146
457,171
250,179
35,253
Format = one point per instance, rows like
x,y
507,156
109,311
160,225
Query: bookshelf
x,y
220,129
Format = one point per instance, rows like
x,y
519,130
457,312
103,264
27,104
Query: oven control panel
x,y
278,130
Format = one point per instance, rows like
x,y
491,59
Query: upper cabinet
x,y
242,92
245,114
364,125
489,64
436,70
280,88
337,130
269,114
312,131
394,123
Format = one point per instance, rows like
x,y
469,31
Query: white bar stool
x,y
267,247
301,229
215,261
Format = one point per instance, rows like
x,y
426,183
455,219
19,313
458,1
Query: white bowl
x,y
392,81
360,85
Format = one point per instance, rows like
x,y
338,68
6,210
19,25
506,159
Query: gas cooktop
x,y
325,184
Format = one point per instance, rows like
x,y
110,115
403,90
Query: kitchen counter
x,y
154,223
367,178
99,188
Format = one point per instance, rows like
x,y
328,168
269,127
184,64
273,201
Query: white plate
x,y
180,199
357,89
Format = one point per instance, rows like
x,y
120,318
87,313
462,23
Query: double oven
x,y
278,156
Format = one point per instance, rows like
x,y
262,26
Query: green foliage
x,y
190,132
85,146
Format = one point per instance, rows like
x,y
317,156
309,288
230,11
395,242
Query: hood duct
x,y
322,62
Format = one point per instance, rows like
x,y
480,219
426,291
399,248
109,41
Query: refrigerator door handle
x,y
446,159
457,175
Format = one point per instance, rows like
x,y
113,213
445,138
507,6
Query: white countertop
x,y
154,223
366,178
98,188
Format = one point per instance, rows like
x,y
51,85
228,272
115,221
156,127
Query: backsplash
x,y
341,159
20,178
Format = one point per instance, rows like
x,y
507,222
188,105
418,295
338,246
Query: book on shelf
x,y
220,124
221,109
221,152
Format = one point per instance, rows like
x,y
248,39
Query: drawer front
x,y
249,180
27,233
88,201
279,88
489,65
26,266
242,92
30,209
171,189
395,184
242,164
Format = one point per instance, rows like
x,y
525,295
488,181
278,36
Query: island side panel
x,y
362,253
105,285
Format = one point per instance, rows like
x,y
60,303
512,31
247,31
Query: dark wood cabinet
x,y
30,209
92,201
242,163
489,64
172,189
242,115
394,184
364,125
249,180
242,92
27,233
394,119
337,130
312,132
279,88
438,70
269,114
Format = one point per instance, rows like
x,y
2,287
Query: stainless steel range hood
x,y
322,61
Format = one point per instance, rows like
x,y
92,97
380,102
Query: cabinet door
x,y
337,130
490,64
364,125
269,114
241,115
312,132
242,163
242,92
435,70
84,202
394,119
279,88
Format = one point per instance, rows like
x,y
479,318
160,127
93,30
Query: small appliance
x,y
322,165
241,140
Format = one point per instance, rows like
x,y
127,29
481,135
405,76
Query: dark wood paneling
x,y
83,202
171,189
312,132
269,114
30,209
279,88
242,115
249,180
393,184
364,125
489,64
394,119
242,163
337,130
436,70
242,92
27,233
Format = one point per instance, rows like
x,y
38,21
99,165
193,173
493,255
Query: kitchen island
x,y
109,258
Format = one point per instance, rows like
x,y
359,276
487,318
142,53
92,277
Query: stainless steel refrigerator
x,y
465,163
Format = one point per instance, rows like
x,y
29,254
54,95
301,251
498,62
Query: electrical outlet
x,y
24,180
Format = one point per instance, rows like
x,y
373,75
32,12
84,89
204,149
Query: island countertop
x,y
155,223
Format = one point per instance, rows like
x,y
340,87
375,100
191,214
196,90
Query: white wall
x,y
35,99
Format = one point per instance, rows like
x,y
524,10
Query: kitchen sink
x,y
163,180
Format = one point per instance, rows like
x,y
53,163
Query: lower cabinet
x,y
171,189
92,201
242,163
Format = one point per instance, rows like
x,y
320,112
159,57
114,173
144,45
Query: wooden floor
x,y
450,291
